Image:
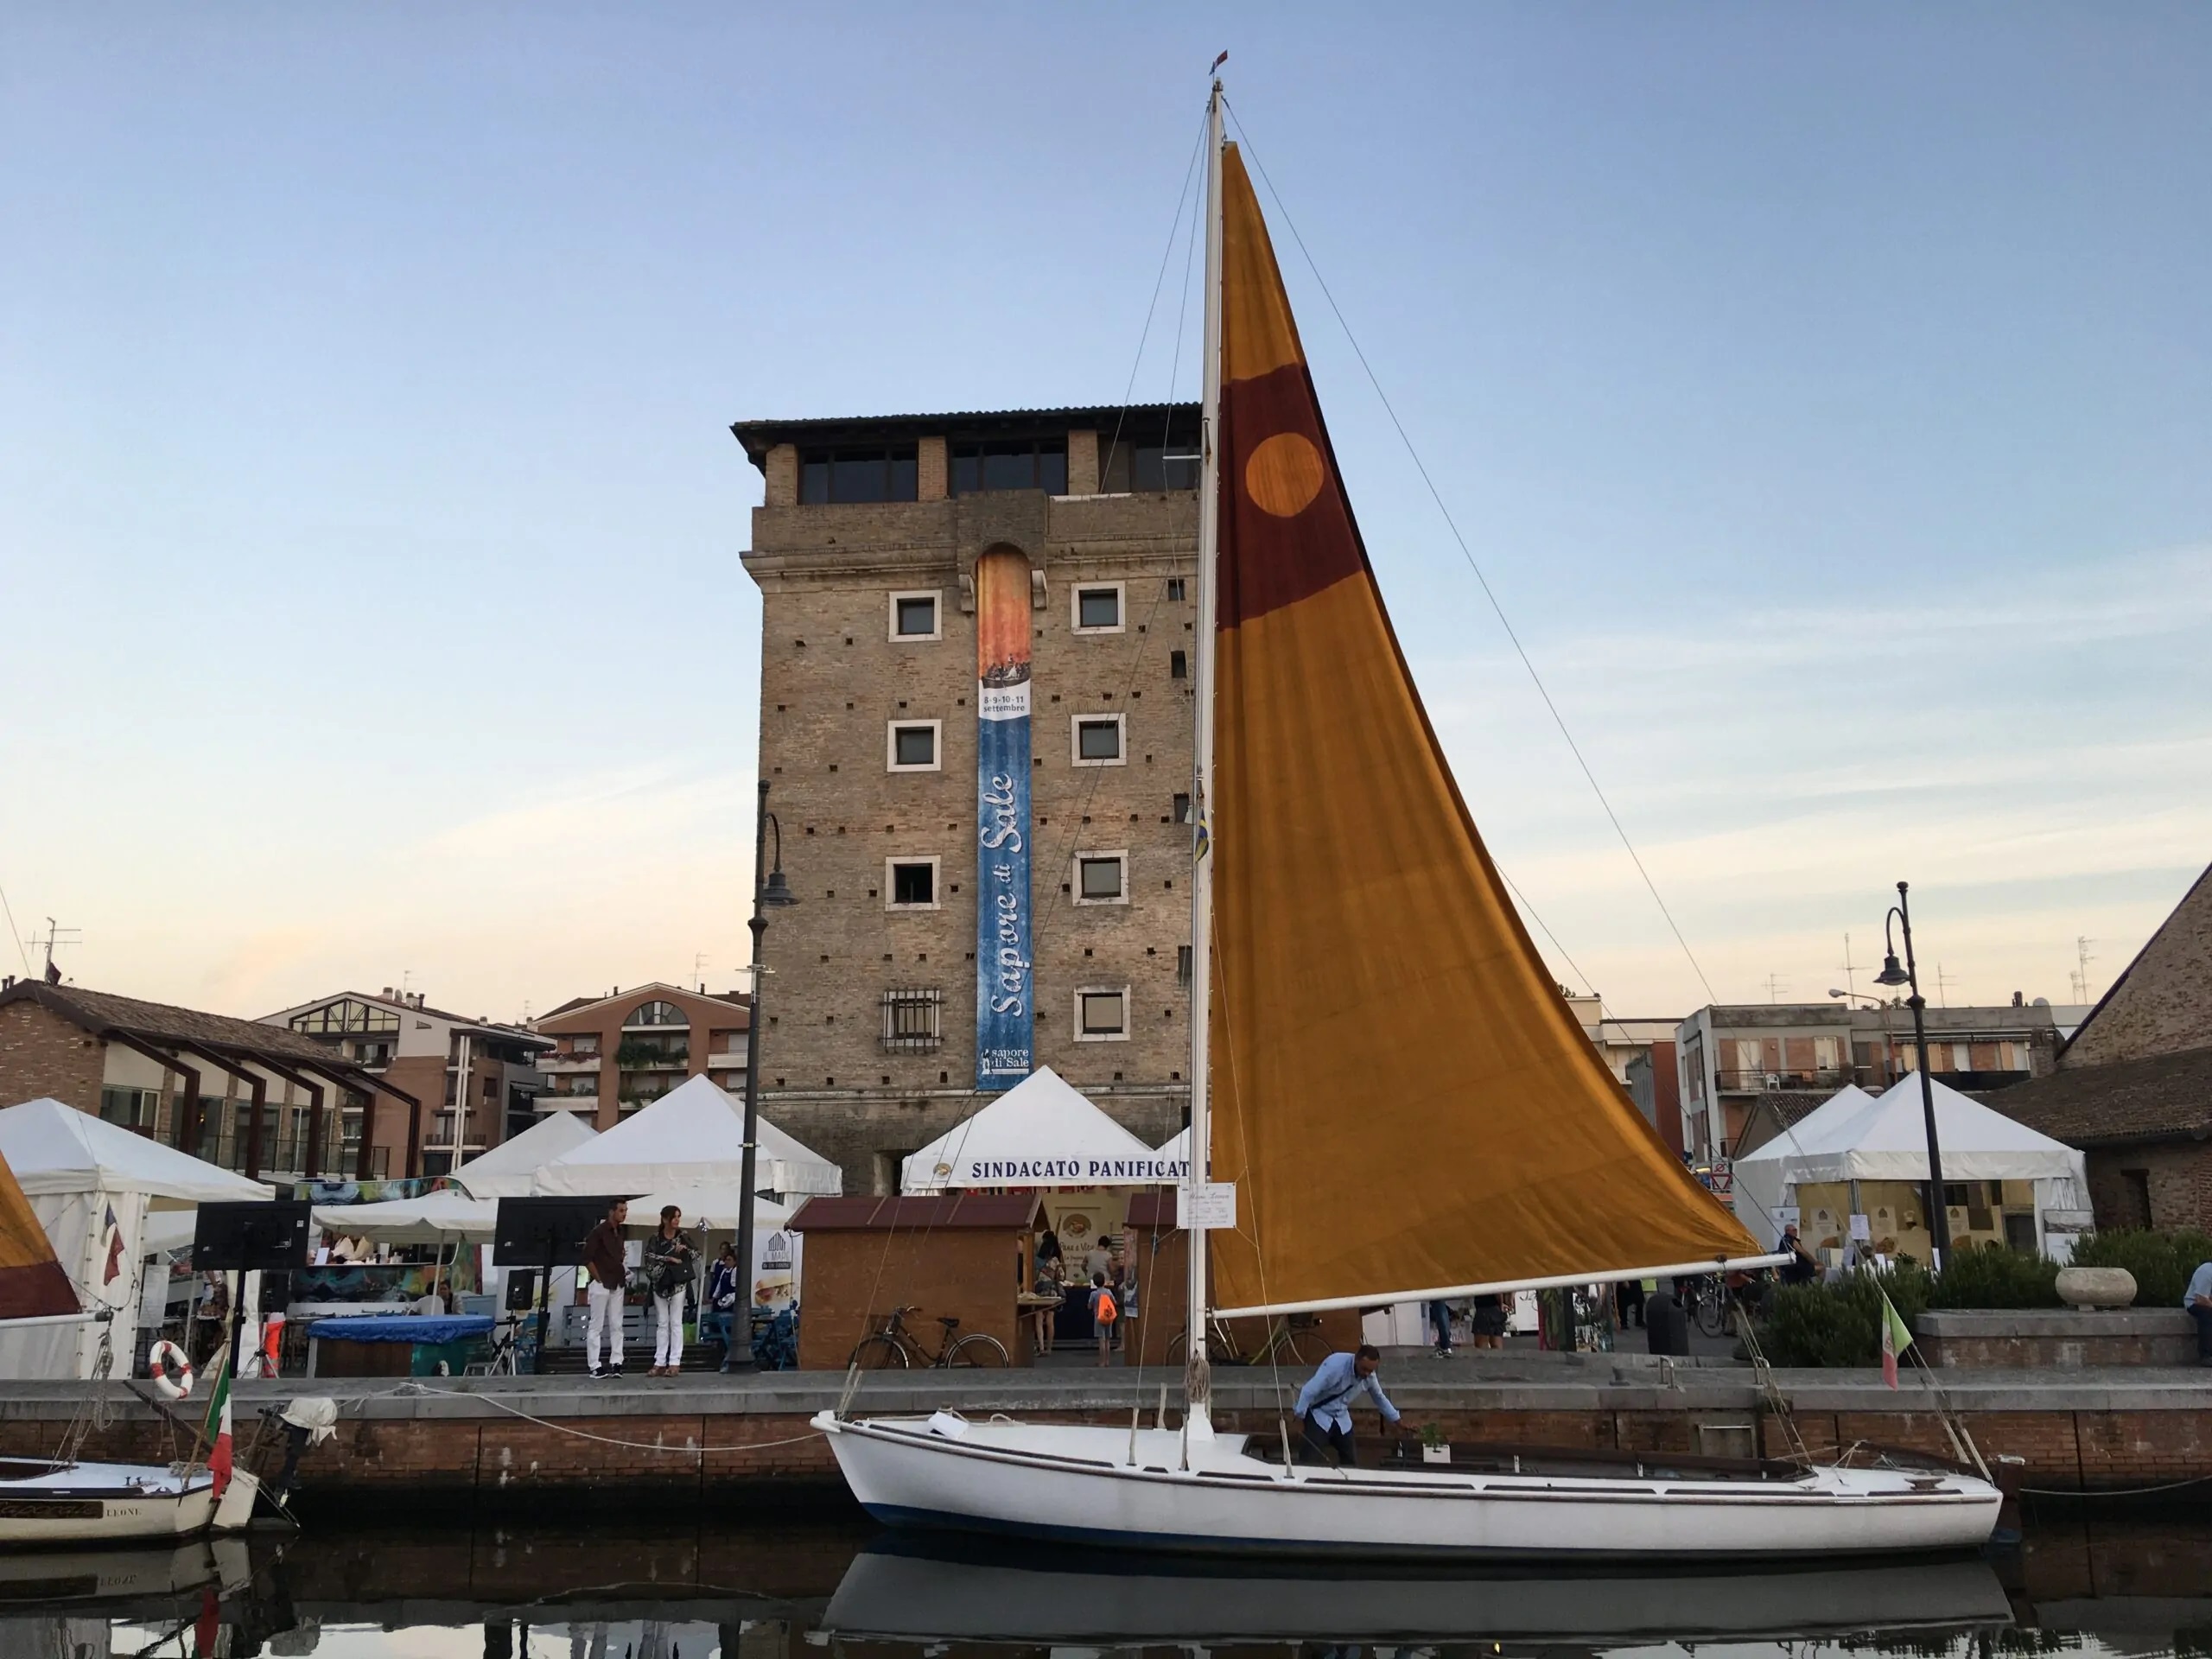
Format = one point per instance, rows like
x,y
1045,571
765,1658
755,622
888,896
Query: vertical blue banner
x,y
1005,983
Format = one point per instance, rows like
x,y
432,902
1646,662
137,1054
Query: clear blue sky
x,y
1826,391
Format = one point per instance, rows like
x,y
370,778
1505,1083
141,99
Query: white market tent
x,y
1858,1137
688,1149
1040,1132
92,1186
437,1217
507,1170
1177,1151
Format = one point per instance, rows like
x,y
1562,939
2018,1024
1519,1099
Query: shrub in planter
x,y
2161,1262
1997,1277
1838,1324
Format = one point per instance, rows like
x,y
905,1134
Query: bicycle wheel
x,y
879,1353
978,1350
1712,1315
1304,1347
1178,1346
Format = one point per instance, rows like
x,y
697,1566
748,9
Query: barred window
x,y
912,1021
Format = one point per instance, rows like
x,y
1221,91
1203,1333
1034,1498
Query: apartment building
x,y
976,715
616,1053
269,1103
1729,1056
478,1077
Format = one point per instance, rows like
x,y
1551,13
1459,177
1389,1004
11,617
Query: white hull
x,y
115,1503
1081,1483
905,1589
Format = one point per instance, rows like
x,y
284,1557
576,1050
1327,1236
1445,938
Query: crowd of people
x,y
1106,1282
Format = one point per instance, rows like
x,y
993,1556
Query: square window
x,y
1175,588
1102,1014
912,745
1097,608
914,616
912,884
1101,878
1097,740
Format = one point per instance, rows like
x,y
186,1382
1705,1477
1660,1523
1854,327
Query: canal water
x,y
579,1588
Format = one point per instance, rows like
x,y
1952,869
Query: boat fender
x,y
158,1359
949,1424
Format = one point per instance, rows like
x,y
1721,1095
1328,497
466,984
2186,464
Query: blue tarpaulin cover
x,y
405,1327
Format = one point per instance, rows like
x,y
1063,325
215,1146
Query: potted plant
x,y
1434,1448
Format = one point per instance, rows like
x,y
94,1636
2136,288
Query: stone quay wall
x,y
493,1443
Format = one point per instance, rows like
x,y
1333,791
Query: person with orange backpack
x,y
1104,1311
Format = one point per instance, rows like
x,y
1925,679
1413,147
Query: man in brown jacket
x,y
609,1277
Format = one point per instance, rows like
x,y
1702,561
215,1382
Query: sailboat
x,y
1391,1100
64,1499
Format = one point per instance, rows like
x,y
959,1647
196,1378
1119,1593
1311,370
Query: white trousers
x,y
668,1328
604,1334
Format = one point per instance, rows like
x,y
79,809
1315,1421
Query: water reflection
x,y
620,1590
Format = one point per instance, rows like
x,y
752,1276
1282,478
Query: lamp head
x,y
1892,973
777,895
1835,993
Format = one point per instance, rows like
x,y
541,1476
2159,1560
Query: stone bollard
x,y
2096,1287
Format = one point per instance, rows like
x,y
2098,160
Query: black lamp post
x,y
769,893
1939,1218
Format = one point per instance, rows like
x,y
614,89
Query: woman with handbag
x,y
669,1259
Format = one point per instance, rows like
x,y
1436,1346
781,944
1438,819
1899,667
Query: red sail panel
x,y
1399,1091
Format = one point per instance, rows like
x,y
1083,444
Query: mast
x,y
1197,1376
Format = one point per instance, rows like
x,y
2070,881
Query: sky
x,y
1825,393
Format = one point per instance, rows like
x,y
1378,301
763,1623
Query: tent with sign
x,y
99,1191
1040,1132
1855,1141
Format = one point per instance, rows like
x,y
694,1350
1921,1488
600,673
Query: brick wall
x,y
832,680
42,1054
2177,1175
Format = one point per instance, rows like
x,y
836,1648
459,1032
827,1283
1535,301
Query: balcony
x,y
726,1062
1745,1081
646,1056
561,1066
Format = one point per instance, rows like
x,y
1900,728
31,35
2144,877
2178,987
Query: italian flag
x,y
218,1426
1896,1336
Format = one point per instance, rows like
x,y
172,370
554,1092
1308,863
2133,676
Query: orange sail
x,y
1399,1091
32,1283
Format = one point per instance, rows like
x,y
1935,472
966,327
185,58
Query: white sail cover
x,y
1040,1133
692,1140
506,1171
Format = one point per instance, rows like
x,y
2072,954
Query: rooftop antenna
x,y
699,971
1850,979
2080,973
56,936
1775,987
1943,984
406,982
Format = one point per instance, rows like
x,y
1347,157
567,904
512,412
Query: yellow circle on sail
x,y
1284,475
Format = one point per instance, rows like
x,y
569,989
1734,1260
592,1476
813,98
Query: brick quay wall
x,y
509,1443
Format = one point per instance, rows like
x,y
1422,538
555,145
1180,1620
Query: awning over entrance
x,y
1040,1132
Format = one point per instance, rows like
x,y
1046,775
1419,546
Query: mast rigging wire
x,y
1467,553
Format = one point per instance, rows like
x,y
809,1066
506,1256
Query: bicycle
x,y
1717,1300
894,1348
1292,1337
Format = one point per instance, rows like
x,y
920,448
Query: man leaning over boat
x,y
1324,1405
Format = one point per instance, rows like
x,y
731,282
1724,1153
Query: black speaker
x,y
266,1234
521,1289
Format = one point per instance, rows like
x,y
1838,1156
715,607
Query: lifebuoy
x,y
157,1365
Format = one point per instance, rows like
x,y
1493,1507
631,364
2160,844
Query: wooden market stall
x,y
963,1255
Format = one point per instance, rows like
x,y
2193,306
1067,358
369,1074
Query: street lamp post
x,y
770,892
1939,1220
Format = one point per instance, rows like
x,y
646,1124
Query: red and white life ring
x,y
158,1359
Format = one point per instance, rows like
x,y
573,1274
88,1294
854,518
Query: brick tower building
x,y
944,598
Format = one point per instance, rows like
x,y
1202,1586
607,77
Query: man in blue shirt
x,y
2197,1298
1324,1405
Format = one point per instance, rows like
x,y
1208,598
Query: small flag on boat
x,y
114,1269
1896,1336
218,1428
